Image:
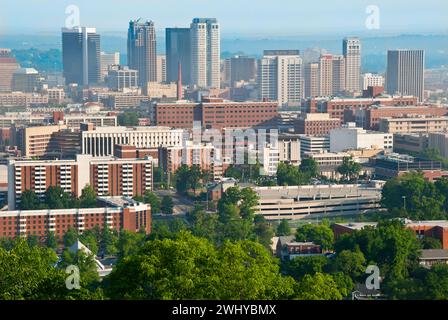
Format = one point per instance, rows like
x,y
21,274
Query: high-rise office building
x,y
280,76
142,54
161,68
331,75
119,78
351,48
311,80
205,53
242,68
81,55
178,50
25,80
108,59
8,65
371,80
405,72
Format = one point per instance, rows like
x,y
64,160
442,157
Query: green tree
x,y
188,267
320,234
289,175
301,266
418,196
29,201
57,198
349,169
153,200
70,237
310,167
129,119
283,229
182,179
129,242
29,273
88,197
167,205
430,243
263,231
351,263
50,240
319,286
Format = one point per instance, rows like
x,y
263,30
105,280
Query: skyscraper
x,y
178,48
405,72
161,68
280,76
242,68
108,59
311,80
331,75
351,49
81,55
205,53
8,65
142,54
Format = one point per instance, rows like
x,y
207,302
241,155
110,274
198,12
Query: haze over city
x,y
263,18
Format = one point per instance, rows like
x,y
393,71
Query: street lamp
x,y
404,202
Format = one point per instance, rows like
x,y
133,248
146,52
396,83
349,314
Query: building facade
x,y
205,52
351,49
280,76
81,56
119,214
141,50
405,72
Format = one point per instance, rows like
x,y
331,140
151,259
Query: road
x,y
182,205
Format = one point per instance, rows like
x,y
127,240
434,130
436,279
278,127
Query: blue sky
x,y
237,17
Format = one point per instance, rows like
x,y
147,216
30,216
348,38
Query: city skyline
x,y
396,17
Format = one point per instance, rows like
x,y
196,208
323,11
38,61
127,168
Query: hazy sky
x,y
243,17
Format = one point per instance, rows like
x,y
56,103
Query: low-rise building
x,y
394,165
116,214
296,202
414,124
410,142
316,124
439,141
314,144
350,137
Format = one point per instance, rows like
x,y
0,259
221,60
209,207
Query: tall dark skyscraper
x,y
81,49
242,68
142,54
178,51
405,72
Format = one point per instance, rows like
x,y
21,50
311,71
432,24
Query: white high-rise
x,y
405,72
372,80
280,76
205,53
351,48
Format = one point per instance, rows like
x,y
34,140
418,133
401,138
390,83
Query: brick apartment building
x,y
368,118
316,124
202,155
117,214
340,107
214,113
111,176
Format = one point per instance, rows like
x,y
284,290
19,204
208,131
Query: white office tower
x,y
205,53
280,76
107,60
351,48
405,72
372,80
